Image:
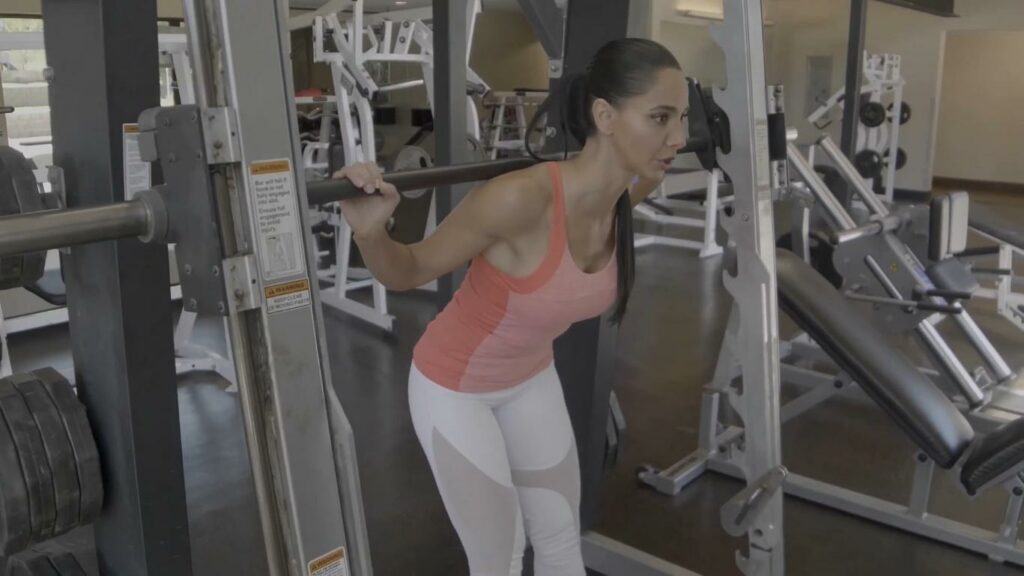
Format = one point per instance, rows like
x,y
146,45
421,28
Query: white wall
x,y
803,28
981,115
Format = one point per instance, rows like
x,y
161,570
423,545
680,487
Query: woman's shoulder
x,y
517,198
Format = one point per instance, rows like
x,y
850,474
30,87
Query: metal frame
x,y
937,347
708,224
126,368
1009,303
753,324
357,43
717,443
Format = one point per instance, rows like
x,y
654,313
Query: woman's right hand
x,y
369,214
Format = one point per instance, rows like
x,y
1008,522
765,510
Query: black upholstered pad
x,y
994,454
991,222
885,374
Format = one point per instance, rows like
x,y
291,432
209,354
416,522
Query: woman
x,y
550,245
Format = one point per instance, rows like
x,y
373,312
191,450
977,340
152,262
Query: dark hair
x,y
621,69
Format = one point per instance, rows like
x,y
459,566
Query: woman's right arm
x,y
498,210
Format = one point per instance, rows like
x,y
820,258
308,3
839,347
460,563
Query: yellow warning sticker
x,y
270,167
287,296
131,128
333,563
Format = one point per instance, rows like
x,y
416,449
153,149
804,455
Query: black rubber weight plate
x,y
67,565
59,454
15,520
32,455
32,565
76,424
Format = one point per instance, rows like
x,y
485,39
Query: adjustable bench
x,y
918,407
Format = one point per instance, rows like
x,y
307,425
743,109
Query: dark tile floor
x,y
667,354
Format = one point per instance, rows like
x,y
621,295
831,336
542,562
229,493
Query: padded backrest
x,y
948,227
885,374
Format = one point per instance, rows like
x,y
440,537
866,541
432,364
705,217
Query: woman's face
x,y
648,129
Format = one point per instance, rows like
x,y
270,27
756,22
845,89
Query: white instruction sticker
x,y
761,158
137,175
280,237
287,296
331,564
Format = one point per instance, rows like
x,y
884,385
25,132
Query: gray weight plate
x,y
76,424
412,158
19,194
15,519
32,564
67,565
32,454
58,453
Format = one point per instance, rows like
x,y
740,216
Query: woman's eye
x,y
661,118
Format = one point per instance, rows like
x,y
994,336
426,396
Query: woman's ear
x,y
604,116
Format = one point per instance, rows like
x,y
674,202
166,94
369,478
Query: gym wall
x,y
506,52
981,110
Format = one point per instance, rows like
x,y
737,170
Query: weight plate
x,y
901,158
412,158
19,194
905,113
15,518
872,114
34,466
67,565
59,454
32,565
76,425
869,163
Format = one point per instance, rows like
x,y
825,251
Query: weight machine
x,y
351,48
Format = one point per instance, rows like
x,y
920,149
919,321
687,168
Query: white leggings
x,y
505,464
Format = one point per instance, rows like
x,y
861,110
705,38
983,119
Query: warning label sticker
x,y
137,176
762,157
331,564
287,296
277,215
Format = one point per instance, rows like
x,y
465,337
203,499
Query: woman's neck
x,y
598,177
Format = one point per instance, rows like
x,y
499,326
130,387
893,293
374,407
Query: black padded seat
x,y
988,220
916,404
993,456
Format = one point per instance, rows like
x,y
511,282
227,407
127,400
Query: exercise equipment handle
x,y
927,306
980,251
907,305
947,294
327,191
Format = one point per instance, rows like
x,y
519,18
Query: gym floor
x,y
667,353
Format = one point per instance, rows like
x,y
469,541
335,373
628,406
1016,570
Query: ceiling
x,y
382,5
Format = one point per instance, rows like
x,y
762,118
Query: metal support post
x,y
854,69
120,315
452,27
752,285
